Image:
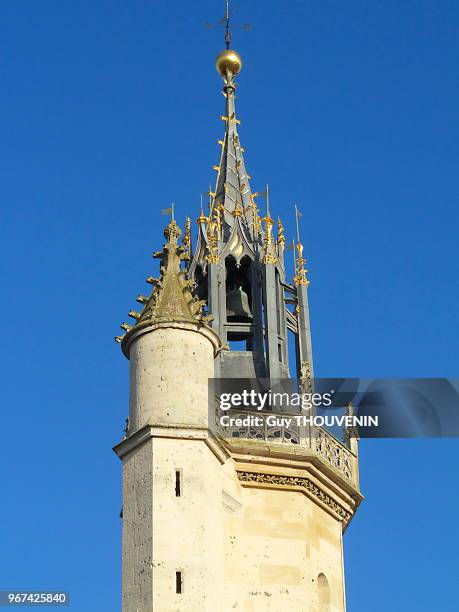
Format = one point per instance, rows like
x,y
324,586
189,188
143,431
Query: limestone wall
x,y
277,544
188,530
137,555
237,547
246,547
169,370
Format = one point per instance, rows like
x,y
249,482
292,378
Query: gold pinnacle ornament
x,y
269,249
300,277
280,234
212,247
187,240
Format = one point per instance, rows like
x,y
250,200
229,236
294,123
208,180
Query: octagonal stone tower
x,y
248,519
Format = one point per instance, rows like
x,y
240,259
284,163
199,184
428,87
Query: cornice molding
x,y
182,432
294,482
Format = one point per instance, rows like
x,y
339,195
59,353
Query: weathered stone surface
x,y
254,527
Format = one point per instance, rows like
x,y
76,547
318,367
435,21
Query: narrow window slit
x,y
178,483
178,582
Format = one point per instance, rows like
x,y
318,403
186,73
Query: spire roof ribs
x,y
232,185
201,248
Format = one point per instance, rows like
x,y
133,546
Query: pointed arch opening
x,y
323,591
239,318
238,290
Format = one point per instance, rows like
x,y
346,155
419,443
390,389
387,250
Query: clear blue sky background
x,y
110,111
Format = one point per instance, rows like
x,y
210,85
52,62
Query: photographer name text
x,y
302,420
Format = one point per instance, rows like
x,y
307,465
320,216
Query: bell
x,y
237,306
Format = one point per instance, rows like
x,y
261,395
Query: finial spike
x,y
294,256
227,26
297,216
169,211
268,214
209,193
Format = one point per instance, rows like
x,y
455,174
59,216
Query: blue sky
x,y
110,111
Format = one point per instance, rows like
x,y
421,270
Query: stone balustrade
x,y
316,439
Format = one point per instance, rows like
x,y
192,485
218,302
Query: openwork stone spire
x,y
232,196
171,298
239,268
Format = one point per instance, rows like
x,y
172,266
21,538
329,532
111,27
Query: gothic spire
x,y
232,196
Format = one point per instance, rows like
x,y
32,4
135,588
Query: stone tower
x,y
250,520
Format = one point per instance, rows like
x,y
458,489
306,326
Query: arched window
x,y
239,316
238,278
201,284
323,589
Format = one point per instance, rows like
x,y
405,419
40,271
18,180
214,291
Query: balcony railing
x,y
316,439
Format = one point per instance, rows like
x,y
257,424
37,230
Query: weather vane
x,y
224,22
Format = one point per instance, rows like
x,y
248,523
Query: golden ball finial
x,y
228,61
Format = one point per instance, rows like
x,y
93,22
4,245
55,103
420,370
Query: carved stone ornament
x,y
297,481
305,377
